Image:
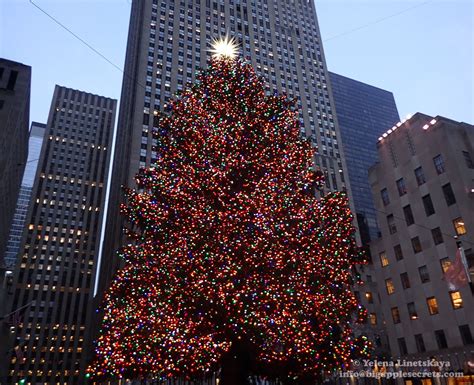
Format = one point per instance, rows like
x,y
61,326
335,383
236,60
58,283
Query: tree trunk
x,y
236,365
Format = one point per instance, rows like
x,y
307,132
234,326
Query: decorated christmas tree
x,y
233,266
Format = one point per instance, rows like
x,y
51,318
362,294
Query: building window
x,y
439,164
12,80
408,215
397,249
385,198
468,159
412,310
392,228
369,297
456,299
402,190
459,226
437,236
432,305
405,280
373,318
428,204
395,315
420,344
449,194
389,286
466,335
402,345
415,243
420,176
445,264
424,275
384,259
441,339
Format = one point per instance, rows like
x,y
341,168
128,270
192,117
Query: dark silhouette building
x,y
15,83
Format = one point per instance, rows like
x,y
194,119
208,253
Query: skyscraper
x,y
24,197
169,41
424,195
364,113
15,82
53,278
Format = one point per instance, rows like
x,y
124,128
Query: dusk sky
x,y
422,51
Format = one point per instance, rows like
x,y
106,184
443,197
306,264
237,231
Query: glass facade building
x,y
364,113
16,231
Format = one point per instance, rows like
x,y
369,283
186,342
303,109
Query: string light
x,y
229,244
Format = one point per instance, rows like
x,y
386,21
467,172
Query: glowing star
x,y
224,48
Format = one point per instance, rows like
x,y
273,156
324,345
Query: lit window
x,y
456,299
373,318
459,226
432,305
384,259
389,286
369,296
445,264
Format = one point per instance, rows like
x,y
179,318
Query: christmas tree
x,y
233,264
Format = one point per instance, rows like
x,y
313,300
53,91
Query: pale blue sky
x,y
424,55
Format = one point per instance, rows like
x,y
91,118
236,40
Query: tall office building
x,y
24,197
15,83
364,113
169,40
53,277
424,195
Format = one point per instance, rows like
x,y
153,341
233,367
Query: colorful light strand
x,y
229,244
